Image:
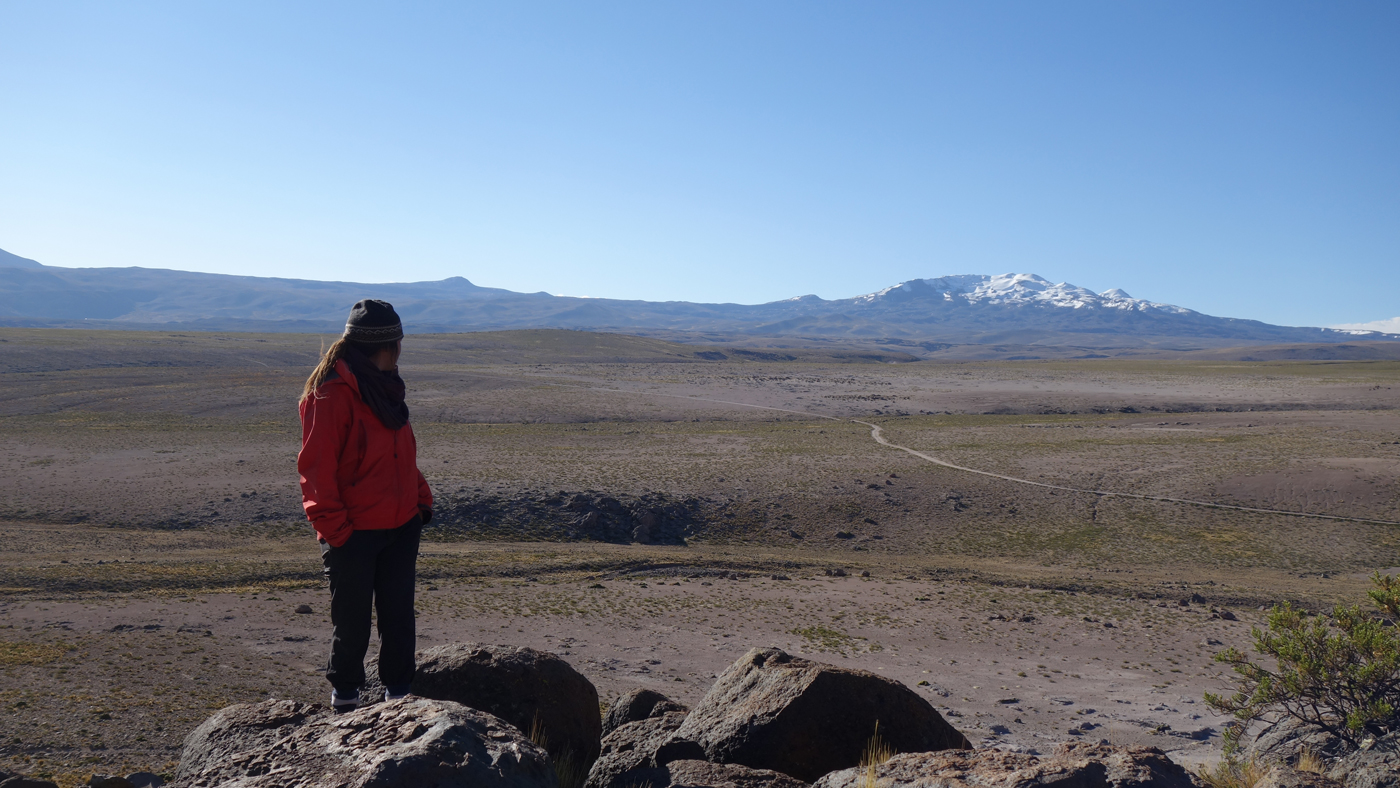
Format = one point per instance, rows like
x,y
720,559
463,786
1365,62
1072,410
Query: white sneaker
x,y
388,696
347,702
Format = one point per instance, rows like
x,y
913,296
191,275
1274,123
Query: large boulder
x,y
638,705
770,710
535,691
1073,765
629,751
400,744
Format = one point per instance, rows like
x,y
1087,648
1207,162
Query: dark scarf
x,y
382,391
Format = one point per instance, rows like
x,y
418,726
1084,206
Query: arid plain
x,y
154,551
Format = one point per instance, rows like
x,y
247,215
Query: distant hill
x,y
8,260
921,315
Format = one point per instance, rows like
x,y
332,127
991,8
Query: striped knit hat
x,y
372,322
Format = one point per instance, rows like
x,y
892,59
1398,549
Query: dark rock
x,y
1197,599
524,687
412,742
108,781
647,522
678,749
631,748
20,781
637,705
652,518
1072,765
304,609
770,710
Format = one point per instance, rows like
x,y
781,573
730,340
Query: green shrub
x,y
1339,674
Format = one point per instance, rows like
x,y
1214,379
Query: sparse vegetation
x,y
205,510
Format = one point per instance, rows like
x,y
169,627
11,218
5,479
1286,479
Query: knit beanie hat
x,y
372,321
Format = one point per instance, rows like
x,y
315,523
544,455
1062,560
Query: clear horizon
x,y
1238,160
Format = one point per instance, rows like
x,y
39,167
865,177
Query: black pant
x,y
379,568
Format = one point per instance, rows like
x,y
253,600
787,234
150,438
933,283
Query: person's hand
x,y
426,513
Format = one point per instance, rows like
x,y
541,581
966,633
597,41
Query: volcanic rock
x,y
770,710
535,691
637,705
1075,764
402,743
629,750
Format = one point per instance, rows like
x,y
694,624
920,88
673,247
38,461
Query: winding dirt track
x,y
877,434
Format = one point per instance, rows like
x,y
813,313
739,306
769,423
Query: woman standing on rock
x,y
362,490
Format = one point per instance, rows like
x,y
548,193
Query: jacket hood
x,y
343,370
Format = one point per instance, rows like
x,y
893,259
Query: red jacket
x,y
356,474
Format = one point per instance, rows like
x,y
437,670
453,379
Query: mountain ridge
x,y
1018,308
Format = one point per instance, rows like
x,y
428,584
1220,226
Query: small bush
x,y
1339,674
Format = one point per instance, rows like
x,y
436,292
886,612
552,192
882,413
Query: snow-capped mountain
x,y
1011,309
1015,289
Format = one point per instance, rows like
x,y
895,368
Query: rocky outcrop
x,y
398,744
770,710
652,518
638,705
629,751
1071,766
535,691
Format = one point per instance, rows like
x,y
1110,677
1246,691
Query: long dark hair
x,y
326,366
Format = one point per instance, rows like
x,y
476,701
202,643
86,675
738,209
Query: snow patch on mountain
x,y
1391,326
1017,290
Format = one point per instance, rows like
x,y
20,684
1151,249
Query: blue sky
x,y
1236,158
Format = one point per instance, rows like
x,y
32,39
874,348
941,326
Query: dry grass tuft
x,y
570,770
1309,761
877,751
1231,773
